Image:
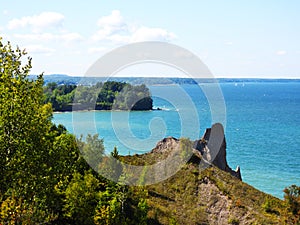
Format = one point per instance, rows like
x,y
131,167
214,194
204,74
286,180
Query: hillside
x,y
211,196
195,195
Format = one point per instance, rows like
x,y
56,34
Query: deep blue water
x,y
262,127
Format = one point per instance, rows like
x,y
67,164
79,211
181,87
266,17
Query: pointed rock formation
x,y
212,147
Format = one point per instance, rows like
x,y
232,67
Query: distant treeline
x,y
101,96
89,81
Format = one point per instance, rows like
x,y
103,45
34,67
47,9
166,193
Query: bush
x,y
233,221
292,198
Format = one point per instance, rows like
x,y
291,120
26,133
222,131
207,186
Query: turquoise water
x,y
262,127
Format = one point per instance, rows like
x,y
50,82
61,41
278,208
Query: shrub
x,y
292,198
233,221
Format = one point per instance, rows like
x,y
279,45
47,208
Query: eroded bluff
x,y
209,150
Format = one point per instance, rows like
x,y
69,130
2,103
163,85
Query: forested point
x,y
110,95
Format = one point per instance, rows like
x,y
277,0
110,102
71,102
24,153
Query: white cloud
x,y
281,52
229,43
39,49
70,37
67,37
110,27
37,22
112,22
36,37
115,29
97,50
152,34
5,12
282,65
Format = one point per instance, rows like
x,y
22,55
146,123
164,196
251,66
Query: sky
x,y
234,38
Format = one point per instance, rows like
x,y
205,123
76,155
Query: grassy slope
x,y
210,196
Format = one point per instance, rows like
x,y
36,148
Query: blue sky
x,y
258,38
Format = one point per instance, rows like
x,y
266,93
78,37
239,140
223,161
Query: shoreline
x,y
108,110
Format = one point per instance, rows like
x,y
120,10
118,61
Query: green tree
x,y
43,177
34,154
18,211
109,210
92,149
59,96
133,98
121,204
25,124
292,197
115,153
81,198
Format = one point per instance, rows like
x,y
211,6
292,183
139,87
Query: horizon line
x,y
180,77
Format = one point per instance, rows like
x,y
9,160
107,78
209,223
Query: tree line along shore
x,y
109,95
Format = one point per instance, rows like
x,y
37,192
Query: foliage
x,y
24,122
107,95
121,204
18,211
186,147
92,149
233,221
270,205
172,221
133,98
34,154
59,95
292,198
43,175
81,197
115,153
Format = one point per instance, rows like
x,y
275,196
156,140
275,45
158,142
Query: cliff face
x,y
212,147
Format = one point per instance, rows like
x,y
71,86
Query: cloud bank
x,y
39,22
116,29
